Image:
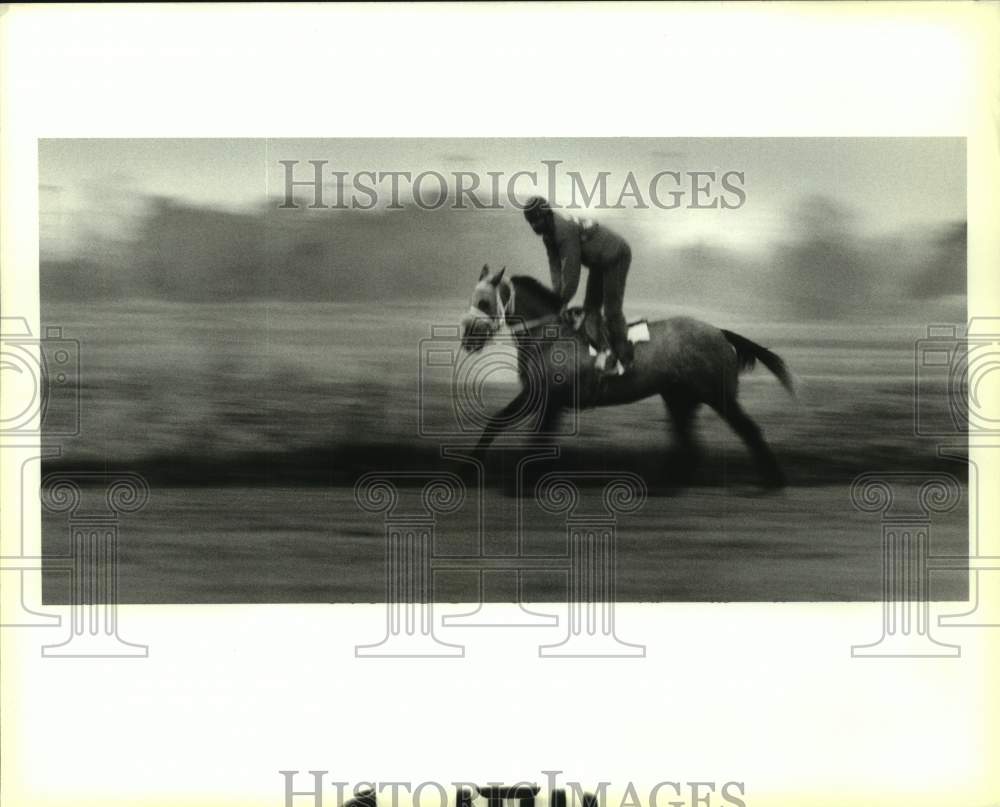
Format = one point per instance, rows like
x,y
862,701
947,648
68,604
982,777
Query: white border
x,y
763,694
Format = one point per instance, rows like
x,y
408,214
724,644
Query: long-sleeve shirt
x,y
577,242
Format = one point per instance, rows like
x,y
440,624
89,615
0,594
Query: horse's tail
x,y
748,352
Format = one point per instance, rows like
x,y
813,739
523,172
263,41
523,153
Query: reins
x,y
506,311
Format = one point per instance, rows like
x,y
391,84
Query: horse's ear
x,y
499,276
485,271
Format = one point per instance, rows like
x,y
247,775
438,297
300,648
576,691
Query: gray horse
x,y
685,361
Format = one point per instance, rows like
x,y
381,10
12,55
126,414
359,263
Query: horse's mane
x,y
539,289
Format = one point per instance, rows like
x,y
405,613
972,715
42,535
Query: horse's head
x,y
485,316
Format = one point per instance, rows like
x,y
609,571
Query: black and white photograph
x,y
726,328
482,404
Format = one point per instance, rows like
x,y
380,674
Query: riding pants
x,y
606,288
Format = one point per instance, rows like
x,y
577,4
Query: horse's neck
x,y
527,307
536,319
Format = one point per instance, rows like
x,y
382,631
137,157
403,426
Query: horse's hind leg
x,y
751,434
682,410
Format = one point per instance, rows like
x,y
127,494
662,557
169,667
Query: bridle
x,y
506,311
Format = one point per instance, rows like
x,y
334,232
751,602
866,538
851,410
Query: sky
x,y
889,184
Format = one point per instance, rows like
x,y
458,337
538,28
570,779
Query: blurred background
x,y
229,347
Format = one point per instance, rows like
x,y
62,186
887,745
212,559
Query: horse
x,y
686,362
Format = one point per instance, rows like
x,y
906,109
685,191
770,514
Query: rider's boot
x,y
621,348
619,362
611,368
627,357
609,365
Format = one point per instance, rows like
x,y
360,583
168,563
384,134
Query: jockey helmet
x,y
538,213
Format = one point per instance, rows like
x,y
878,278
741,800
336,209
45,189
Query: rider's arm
x,y
570,256
555,267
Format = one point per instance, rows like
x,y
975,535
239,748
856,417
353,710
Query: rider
x,y
570,243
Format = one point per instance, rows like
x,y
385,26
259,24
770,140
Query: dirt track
x,y
312,545
252,440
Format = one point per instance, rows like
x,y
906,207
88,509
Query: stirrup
x,y
602,367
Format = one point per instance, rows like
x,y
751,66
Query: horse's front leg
x,y
498,422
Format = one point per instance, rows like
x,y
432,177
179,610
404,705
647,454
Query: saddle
x,y
596,334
